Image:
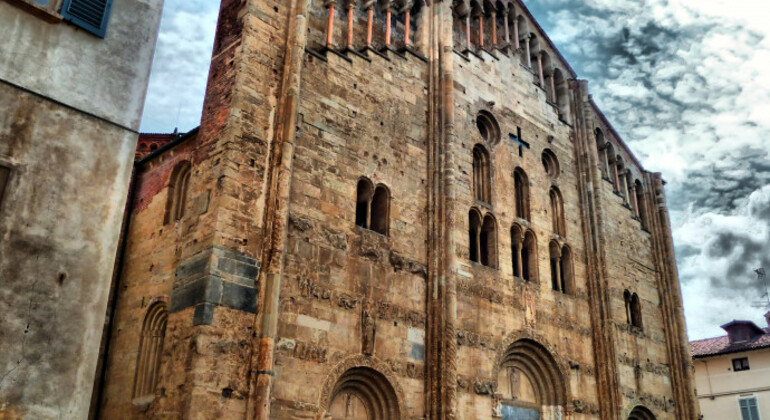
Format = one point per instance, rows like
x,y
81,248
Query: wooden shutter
x,y
91,15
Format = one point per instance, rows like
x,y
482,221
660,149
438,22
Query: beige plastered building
x,y
732,372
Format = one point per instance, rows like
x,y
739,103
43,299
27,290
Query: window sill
x,y
42,12
475,264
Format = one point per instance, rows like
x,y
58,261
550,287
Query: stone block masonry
x,y
410,215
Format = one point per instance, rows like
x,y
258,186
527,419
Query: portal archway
x,y
530,383
362,393
641,413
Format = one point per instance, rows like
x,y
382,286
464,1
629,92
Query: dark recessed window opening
x,y
741,363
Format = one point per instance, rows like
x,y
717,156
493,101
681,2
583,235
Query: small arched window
x,y
481,178
529,256
372,206
550,164
633,309
557,212
524,253
150,347
474,227
177,192
636,311
521,192
640,206
517,241
627,302
482,238
562,279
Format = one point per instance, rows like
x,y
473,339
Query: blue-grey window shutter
x,y
91,15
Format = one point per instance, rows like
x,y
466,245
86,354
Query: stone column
x,y
494,28
540,70
516,42
330,24
606,171
529,53
481,30
520,263
350,24
468,31
407,24
507,29
387,25
369,24
553,87
617,177
635,201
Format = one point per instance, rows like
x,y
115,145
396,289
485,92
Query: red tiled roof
x,y
721,345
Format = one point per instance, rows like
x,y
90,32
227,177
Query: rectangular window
x,y
91,15
5,173
741,363
749,409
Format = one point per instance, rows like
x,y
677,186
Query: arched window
x,y
363,393
474,227
481,187
177,192
482,238
530,382
562,279
636,311
521,192
150,347
557,212
641,413
517,241
524,250
640,206
627,302
529,256
380,210
364,193
372,206
550,164
565,268
633,309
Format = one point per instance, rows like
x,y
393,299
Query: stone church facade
x,y
395,210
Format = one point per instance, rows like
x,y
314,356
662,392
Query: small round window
x,y
550,164
488,127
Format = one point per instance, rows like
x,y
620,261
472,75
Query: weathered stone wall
x,y
359,118
642,359
514,307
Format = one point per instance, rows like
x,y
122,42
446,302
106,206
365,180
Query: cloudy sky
x,y
685,82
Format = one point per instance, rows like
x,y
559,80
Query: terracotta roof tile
x,y
721,345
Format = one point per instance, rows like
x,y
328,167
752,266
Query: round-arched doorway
x,y
530,383
362,393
